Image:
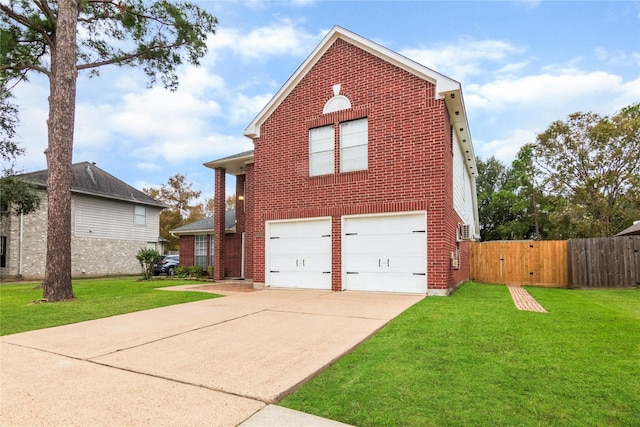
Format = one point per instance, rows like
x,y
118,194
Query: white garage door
x,y
385,253
299,254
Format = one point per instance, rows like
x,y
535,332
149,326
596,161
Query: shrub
x,y
195,271
148,258
182,271
189,271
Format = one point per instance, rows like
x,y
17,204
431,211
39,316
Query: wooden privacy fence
x,y
580,263
526,262
604,262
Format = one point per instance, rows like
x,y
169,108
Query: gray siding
x,y
110,219
108,249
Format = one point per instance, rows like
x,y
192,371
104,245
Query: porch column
x,y
218,223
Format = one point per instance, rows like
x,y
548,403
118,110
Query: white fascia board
x,y
443,84
460,123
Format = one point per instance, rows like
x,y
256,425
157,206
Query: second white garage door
x,y
299,254
385,253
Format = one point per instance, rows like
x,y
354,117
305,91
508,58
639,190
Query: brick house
x,y
110,222
362,177
196,243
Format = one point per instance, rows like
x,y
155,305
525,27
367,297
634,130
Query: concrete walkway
x,y
523,300
216,362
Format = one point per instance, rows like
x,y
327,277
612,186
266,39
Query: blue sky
x,y
522,65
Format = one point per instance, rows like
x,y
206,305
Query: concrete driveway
x,y
215,362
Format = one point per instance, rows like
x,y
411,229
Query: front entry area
x,y
299,254
385,253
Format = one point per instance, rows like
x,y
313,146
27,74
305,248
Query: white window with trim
x,y
211,249
140,215
321,150
200,255
354,145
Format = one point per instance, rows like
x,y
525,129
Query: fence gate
x,y
605,262
528,262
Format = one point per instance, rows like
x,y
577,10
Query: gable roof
x,y
446,88
87,178
234,164
633,230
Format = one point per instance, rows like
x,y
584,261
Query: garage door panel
x,y
300,254
385,253
387,282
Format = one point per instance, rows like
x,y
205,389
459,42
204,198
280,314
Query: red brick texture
x,y
218,224
410,165
410,158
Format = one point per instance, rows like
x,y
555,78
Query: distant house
x,y
110,222
362,177
633,230
196,243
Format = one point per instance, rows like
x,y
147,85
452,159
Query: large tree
x,y
180,197
591,164
510,205
60,38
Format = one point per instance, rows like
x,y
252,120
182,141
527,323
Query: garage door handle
x,y
272,238
326,235
352,272
419,231
419,274
327,272
351,234
274,271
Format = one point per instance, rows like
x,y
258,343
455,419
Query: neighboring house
x,y
110,222
362,177
196,243
632,230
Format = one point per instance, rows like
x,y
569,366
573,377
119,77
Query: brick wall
x,y
187,250
410,159
89,256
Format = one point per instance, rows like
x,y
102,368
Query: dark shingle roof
x,y
235,156
87,178
633,230
206,224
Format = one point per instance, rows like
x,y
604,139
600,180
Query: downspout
x,y
21,236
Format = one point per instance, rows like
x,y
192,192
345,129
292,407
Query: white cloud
x,y
538,90
243,108
260,43
32,130
157,113
505,149
465,58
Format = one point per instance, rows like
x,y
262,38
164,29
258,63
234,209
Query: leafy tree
x,y
179,195
148,258
493,199
17,195
59,38
592,165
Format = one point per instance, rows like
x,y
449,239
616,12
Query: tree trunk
x,y
57,281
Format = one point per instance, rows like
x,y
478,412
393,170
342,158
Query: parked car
x,y
167,265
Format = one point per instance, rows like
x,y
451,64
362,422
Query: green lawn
x,y
473,359
95,298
